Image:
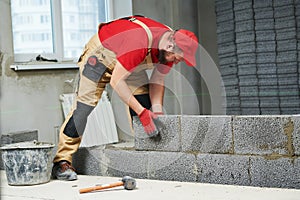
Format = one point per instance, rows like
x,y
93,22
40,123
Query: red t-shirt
x,y
129,41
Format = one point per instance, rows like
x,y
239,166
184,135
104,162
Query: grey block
x,y
284,23
232,102
206,134
288,90
286,56
247,47
250,111
223,169
242,5
263,13
289,111
241,26
269,111
172,166
225,26
262,135
265,46
296,134
121,163
248,91
287,68
269,102
228,60
287,45
267,80
245,59
227,55
290,102
278,3
227,38
248,69
269,172
286,34
232,91
284,11
288,79
243,15
249,102
224,16
268,91
248,80
269,57
87,161
233,111
19,136
266,68
222,6
230,80
170,138
262,3
246,36
265,35
264,24
228,70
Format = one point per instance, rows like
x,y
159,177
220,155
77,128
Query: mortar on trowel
x,y
27,163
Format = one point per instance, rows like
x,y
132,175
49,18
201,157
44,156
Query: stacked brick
x,y
228,54
266,43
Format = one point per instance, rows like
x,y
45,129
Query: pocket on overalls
x,y
93,69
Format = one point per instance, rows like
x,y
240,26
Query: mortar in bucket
x,y
27,163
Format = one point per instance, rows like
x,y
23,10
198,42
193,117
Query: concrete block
x,y
266,68
265,46
248,69
286,56
284,11
270,172
278,3
19,136
287,68
269,102
228,70
269,111
245,59
248,91
288,90
265,35
262,3
292,102
225,26
224,16
248,80
222,6
285,22
289,111
267,79
228,60
227,55
242,5
296,134
226,39
250,111
287,79
241,26
286,34
233,102
263,13
230,80
287,45
223,169
246,47
206,134
262,135
243,15
264,24
172,166
268,91
233,111
232,91
170,138
246,36
269,57
119,163
249,102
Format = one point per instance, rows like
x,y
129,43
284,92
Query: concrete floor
x,y
146,189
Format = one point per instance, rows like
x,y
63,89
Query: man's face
x,y
167,56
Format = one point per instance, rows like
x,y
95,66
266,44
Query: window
x,y
54,28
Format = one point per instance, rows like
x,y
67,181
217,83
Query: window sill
x,y
42,66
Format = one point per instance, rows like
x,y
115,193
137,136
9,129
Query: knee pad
x,y
93,69
77,123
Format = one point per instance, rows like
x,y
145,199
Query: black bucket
x,y
27,163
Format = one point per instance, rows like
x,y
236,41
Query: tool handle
x,y
100,187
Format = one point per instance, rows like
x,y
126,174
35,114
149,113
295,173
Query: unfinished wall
x,y
259,52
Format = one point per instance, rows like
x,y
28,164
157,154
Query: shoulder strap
x,y
146,28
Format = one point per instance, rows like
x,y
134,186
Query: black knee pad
x,y
76,124
93,69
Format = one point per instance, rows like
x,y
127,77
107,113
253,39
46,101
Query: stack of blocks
x,y
237,150
259,55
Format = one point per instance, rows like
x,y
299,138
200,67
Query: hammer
x,y
128,183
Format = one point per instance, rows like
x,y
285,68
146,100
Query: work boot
x,y
62,170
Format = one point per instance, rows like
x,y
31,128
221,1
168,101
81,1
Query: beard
x,y
162,57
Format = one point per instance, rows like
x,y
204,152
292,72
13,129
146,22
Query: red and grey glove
x,y
148,119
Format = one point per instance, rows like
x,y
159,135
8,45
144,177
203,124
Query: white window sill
x,y
42,66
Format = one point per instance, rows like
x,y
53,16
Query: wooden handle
x,y
100,187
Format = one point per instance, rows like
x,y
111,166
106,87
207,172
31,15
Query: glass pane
x,y
32,27
80,22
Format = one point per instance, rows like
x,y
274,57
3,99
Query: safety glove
x,y
152,125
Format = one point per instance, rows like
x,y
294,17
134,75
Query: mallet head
x,y
129,182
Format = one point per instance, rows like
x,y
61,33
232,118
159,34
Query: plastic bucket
x,y
27,163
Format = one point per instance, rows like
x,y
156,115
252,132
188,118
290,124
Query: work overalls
x,y
96,65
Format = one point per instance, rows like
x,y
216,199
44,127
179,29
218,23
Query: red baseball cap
x,y
188,43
